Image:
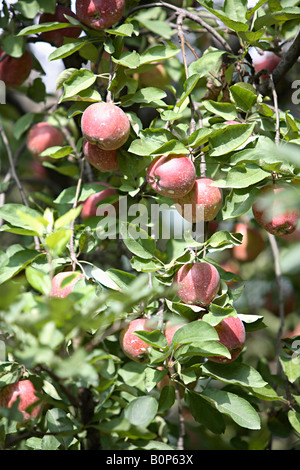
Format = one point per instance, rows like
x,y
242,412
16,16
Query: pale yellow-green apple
x,y
133,347
100,14
202,203
232,335
56,37
63,283
155,76
26,393
102,160
252,244
197,283
90,205
171,175
42,136
14,71
271,214
106,125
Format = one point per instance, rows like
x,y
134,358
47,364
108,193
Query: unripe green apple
x,y
41,137
56,37
171,175
14,71
25,391
106,125
270,216
133,347
61,291
197,283
100,14
202,203
232,335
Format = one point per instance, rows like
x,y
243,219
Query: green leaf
x,y
158,53
235,373
138,241
235,25
238,202
141,411
244,95
294,419
154,338
194,332
79,81
204,413
16,259
67,196
225,110
122,30
237,408
167,398
229,139
38,280
67,49
57,152
291,366
123,428
57,241
242,177
41,28
128,59
210,62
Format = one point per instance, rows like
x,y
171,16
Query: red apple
x,y
267,213
232,334
100,14
102,160
56,37
267,60
62,291
105,125
252,244
171,175
135,348
231,123
41,137
197,283
14,71
25,391
202,203
170,331
90,205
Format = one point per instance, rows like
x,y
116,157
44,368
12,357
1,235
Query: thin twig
x,y
78,189
275,99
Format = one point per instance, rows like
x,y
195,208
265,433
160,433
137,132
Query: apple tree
x,y
149,282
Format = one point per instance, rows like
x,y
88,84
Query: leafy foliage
x,y
93,395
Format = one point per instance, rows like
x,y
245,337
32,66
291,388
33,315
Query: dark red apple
x,y
14,71
90,205
102,160
41,137
171,175
252,244
268,214
56,37
197,283
232,335
105,125
62,291
100,14
202,203
25,391
135,348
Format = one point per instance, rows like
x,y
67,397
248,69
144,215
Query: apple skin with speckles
x,y
14,71
268,214
105,125
134,347
41,137
202,203
102,160
197,283
232,335
25,391
100,14
171,175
